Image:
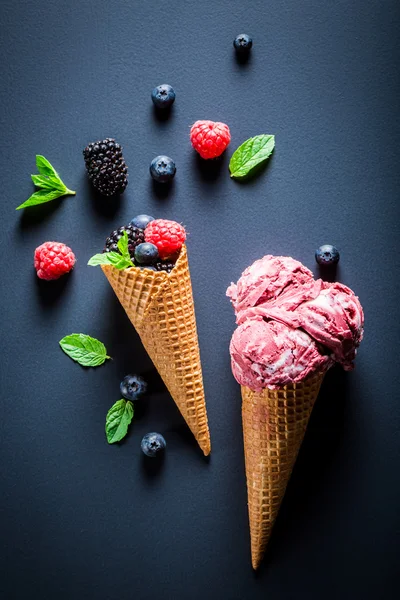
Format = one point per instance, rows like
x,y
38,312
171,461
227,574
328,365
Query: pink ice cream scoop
x,y
270,354
328,314
268,279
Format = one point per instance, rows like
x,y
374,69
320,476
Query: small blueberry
x,y
163,96
327,255
242,42
132,387
141,221
162,169
146,253
152,444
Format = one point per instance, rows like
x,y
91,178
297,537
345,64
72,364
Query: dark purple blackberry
x,y
135,237
106,167
164,266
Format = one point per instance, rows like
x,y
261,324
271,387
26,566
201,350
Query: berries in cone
x,y
135,237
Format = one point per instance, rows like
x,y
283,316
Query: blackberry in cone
x,y
164,266
106,166
135,237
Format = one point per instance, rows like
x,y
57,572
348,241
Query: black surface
x,y
84,520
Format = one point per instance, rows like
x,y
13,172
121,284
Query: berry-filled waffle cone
x,y
159,304
291,330
274,423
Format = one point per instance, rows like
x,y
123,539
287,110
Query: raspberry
x,y
53,259
210,139
168,236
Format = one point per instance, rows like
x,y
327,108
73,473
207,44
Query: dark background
x,y
84,520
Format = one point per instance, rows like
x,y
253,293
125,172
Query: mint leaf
x,y
45,168
250,154
50,182
123,245
40,197
83,349
42,181
110,258
118,420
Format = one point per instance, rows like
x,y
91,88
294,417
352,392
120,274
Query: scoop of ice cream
x,y
266,280
270,354
334,318
281,291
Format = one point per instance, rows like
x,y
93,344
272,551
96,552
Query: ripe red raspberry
x,y
210,139
168,236
53,259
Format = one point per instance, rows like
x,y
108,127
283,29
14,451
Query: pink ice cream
x,y
290,325
270,354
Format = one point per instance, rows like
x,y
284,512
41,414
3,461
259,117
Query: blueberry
x,y
132,387
242,42
141,221
163,96
327,255
152,444
146,254
162,169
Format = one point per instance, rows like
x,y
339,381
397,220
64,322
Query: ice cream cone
x,y
274,423
160,307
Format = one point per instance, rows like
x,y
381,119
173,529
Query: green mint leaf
x,y
250,154
123,245
118,420
83,349
40,197
110,258
45,168
49,183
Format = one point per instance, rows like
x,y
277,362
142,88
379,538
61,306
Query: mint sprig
x,y
251,153
49,182
118,420
118,260
83,349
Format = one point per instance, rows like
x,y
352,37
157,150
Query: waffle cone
x,y
274,423
160,307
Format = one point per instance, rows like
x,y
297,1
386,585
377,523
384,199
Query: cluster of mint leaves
x,y
90,352
119,260
49,182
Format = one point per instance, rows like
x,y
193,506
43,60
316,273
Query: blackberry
x,y
164,266
135,237
106,167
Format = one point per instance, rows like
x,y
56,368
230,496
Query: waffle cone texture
x,y
274,423
160,307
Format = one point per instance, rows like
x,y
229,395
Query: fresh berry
x,y
132,387
163,96
162,169
327,255
53,259
164,266
210,139
106,167
242,43
146,254
153,444
135,237
141,221
168,236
